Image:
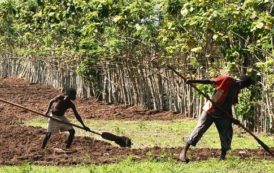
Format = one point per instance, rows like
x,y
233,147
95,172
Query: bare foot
x,y
183,157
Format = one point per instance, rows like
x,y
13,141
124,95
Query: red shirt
x,y
222,85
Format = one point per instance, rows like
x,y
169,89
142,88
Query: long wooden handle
x,y
53,118
223,111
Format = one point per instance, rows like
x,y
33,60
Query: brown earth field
x,y
20,143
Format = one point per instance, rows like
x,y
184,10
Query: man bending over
x,y
225,95
58,106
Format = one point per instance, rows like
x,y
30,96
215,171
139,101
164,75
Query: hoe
x,y
122,141
266,148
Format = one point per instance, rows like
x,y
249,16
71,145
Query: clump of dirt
x,y
19,143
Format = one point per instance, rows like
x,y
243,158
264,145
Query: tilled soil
x,y
19,143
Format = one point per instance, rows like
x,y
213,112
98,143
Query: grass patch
x,y
163,133
232,165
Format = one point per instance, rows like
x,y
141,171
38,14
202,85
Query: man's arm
x,y
78,117
49,106
203,81
51,103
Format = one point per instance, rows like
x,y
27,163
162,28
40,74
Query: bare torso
x,y
60,105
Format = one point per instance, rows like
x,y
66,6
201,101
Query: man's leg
x,y
47,136
183,153
224,127
204,123
52,128
223,154
70,138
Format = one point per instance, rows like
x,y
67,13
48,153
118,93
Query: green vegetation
x,y
227,35
107,29
204,37
216,35
232,165
163,133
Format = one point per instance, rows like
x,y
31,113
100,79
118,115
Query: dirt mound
x,y
19,144
22,144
